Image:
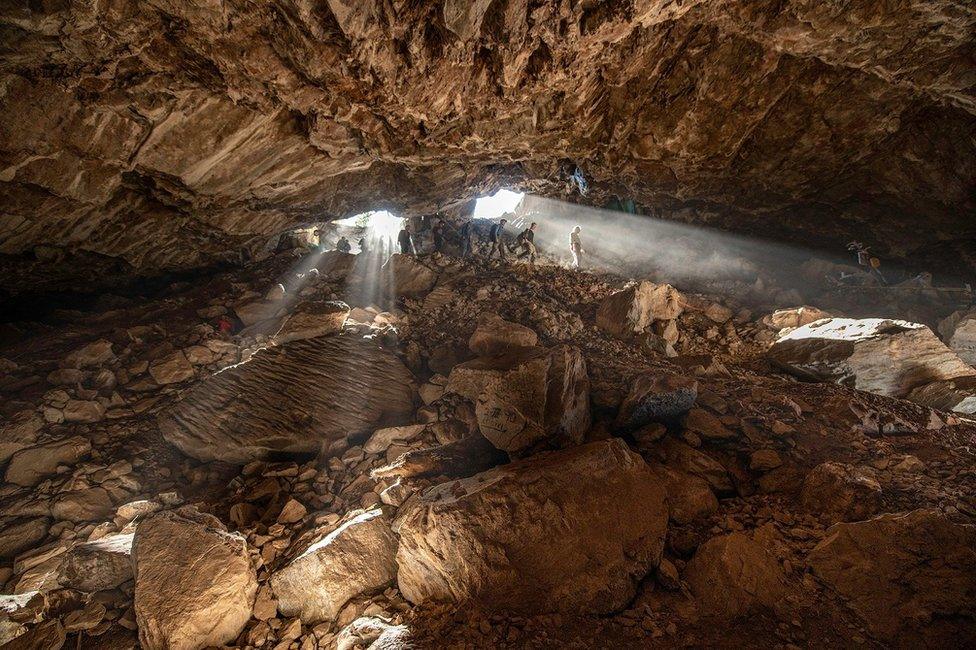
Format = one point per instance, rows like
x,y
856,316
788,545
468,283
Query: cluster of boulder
x,y
342,469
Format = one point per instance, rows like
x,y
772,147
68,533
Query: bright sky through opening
x,y
494,206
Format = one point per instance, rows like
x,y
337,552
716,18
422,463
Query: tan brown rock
x,y
195,585
495,336
171,369
356,558
633,310
527,396
98,565
554,532
911,576
876,355
655,397
30,465
841,492
733,575
312,320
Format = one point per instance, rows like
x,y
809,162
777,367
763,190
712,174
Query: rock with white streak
x,y
886,357
98,565
356,558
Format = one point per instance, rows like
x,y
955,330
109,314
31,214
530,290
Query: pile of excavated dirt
x,y
314,453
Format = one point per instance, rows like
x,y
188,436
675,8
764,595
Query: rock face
x,y
356,558
732,574
633,310
527,396
911,577
201,148
959,333
194,581
876,355
572,531
290,398
495,335
796,317
841,492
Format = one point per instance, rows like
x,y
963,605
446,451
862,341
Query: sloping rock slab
x,y
356,558
910,576
886,357
290,398
573,530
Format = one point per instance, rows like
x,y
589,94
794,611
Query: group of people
x,y
524,246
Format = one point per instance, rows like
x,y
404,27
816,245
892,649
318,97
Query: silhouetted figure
x,y
496,237
437,232
362,244
343,245
405,242
526,243
576,247
467,238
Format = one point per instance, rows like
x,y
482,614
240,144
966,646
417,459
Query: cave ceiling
x,y
167,134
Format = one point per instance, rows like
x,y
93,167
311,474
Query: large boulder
x,y
656,397
573,530
633,310
29,466
910,576
311,320
290,398
356,558
407,276
527,396
195,585
841,492
733,575
887,357
959,333
495,335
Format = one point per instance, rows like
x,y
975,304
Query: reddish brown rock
x,y
554,532
841,492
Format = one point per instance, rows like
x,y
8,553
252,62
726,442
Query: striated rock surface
x,y
571,531
910,576
203,127
290,398
880,356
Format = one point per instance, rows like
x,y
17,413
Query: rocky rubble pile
x,y
487,457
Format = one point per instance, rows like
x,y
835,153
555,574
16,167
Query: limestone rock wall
x,y
169,134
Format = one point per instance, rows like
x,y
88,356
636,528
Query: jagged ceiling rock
x,y
168,134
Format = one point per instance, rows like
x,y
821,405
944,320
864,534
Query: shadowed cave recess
x,y
487,324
